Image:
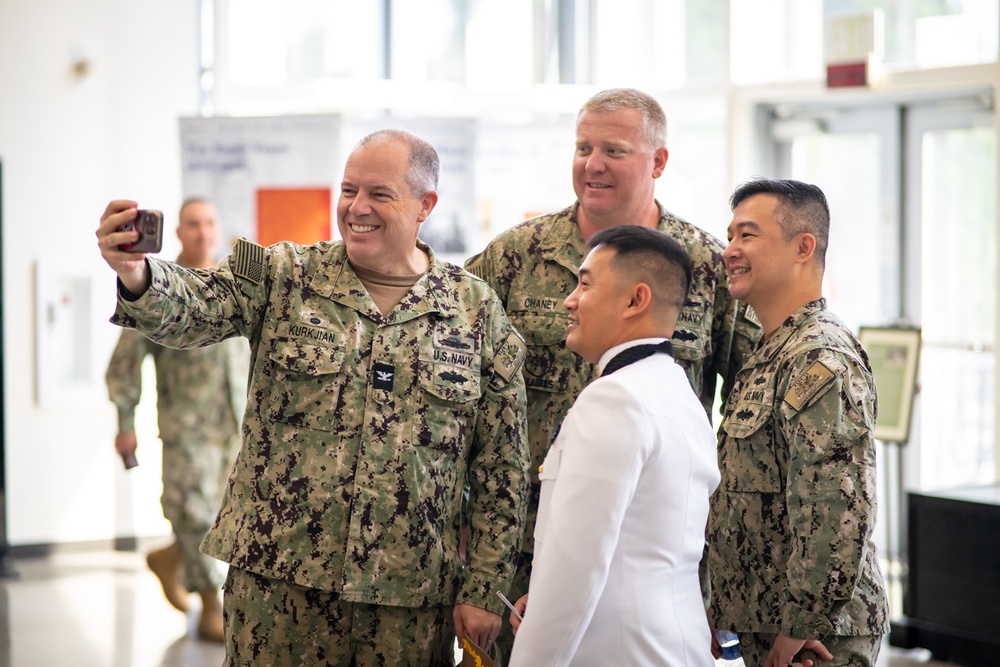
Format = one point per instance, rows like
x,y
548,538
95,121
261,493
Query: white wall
x,y
68,146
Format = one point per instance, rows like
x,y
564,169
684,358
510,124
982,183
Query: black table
x,y
952,595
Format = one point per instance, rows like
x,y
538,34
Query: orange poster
x,y
301,215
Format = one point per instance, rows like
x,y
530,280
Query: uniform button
x,y
541,468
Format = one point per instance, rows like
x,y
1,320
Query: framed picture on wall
x,y
894,353
67,313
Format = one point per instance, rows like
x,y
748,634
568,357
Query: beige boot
x,y
210,625
166,565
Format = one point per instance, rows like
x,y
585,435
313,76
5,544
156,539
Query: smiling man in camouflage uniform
x,y
620,152
383,382
794,567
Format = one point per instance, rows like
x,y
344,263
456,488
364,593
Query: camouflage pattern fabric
x,y
533,269
860,651
201,396
362,429
273,623
792,521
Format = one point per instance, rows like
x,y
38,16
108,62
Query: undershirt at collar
x,y
386,291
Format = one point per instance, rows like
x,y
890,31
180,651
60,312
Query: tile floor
x,y
105,609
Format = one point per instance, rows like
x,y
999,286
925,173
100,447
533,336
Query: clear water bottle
x,y
729,644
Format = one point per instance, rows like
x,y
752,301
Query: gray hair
x,y
425,165
654,121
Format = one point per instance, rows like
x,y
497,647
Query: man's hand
x,y
522,606
125,444
785,648
716,649
131,267
481,625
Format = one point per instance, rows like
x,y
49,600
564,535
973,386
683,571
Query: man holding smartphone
x,y
384,381
201,395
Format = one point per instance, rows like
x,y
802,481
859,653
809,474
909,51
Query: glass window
x,y
958,306
665,44
776,40
428,40
257,40
499,45
340,39
852,279
273,43
622,43
931,33
705,39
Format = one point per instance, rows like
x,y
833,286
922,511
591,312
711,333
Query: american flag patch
x,y
248,261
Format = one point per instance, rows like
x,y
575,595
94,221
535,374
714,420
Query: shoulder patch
x,y
478,265
248,261
816,378
508,359
750,315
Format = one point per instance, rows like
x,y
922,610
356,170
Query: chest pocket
x,y
547,474
445,409
548,365
306,384
747,454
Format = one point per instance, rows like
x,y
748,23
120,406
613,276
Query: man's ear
x,y
806,246
427,204
660,156
640,300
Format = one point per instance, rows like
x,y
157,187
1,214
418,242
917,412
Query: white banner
x,y
244,163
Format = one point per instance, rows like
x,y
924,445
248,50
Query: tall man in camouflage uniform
x,y
620,152
792,558
383,381
201,395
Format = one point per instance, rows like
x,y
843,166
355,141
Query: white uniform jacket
x,y
621,526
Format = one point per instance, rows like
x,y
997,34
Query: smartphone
x,y
129,461
149,223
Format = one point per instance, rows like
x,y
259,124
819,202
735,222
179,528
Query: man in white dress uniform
x,y
626,482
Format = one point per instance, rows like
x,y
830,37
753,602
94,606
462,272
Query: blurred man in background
x,y
201,395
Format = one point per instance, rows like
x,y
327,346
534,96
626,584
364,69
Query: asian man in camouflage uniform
x,y
794,567
382,381
201,395
620,152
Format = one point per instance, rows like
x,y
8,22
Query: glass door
x,y
850,154
951,200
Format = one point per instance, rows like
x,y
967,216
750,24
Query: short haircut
x,y
652,257
425,165
654,121
193,200
802,208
